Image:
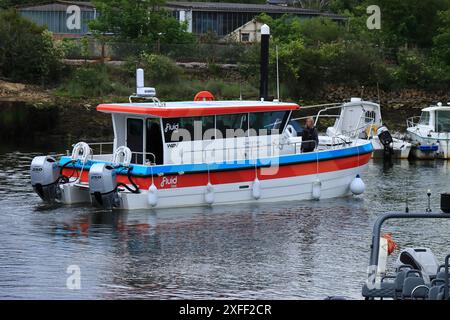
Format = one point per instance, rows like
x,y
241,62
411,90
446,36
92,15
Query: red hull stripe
x,y
239,176
168,112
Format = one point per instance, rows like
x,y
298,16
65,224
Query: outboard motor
x,y
421,259
386,140
44,173
103,186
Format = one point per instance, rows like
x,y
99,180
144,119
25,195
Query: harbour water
x,y
290,250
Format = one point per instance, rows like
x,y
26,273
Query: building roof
x,y
56,5
247,7
59,5
196,108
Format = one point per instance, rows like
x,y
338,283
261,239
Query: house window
x,y
245,37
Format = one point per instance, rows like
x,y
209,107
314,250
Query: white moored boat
x,y
430,133
197,153
362,119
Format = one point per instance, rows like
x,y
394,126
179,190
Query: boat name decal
x,y
171,127
171,181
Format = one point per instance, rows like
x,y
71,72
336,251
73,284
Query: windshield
x,y
424,118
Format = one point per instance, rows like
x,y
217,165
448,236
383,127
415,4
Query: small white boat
x,y
430,133
362,119
200,153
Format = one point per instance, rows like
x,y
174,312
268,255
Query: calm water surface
x,y
290,250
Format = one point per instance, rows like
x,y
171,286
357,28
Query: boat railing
x,y
143,158
247,152
107,148
412,121
102,146
367,121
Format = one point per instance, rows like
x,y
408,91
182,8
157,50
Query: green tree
x,y
442,39
408,24
143,23
28,52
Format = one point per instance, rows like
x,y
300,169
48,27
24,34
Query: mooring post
x,y
264,70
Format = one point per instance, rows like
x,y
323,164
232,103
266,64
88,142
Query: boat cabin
x,y
435,118
188,132
355,117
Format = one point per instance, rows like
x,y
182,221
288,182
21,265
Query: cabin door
x,y
135,139
154,143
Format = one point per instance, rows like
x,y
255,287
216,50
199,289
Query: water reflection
x,y
284,250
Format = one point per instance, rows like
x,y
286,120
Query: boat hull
x,y
290,182
422,145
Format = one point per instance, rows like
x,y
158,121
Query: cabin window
x,y
369,117
425,118
186,129
266,123
442,121
236,122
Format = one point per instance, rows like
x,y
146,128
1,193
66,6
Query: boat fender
x,y
256,190
152,197
209,193
81,151
357,186
316,189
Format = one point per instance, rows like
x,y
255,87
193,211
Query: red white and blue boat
x,y
200,153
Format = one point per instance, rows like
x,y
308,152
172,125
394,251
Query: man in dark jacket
x,y
310,137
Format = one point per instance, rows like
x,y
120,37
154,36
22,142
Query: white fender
x,y
122,156
256,190
209,193
81,151
316,189
152,196
357,186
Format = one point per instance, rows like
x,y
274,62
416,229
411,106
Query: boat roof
x,y
437,108
195,108
360,103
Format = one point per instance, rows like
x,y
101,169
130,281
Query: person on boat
x,y
309,136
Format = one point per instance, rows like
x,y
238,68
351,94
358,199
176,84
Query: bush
x,y
92,81
28,52
160,69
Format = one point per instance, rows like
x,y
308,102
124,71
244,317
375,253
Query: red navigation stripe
x,y
239,176
170,112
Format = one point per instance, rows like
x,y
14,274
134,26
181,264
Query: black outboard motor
x,y
103,186
45,173
386,140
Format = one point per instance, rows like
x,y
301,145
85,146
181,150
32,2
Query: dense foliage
x,y
412,48
27,52
139,22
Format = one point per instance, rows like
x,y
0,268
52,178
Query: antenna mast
x,y
278,74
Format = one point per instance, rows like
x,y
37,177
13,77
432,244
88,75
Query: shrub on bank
x,y
28,52
92,81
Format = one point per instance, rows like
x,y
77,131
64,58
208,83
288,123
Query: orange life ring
x,y
204,96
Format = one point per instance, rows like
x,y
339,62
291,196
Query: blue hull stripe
x,y
141,170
